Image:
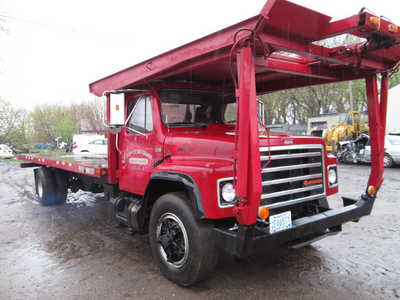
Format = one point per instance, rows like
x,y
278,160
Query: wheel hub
x,y
386,161
172,239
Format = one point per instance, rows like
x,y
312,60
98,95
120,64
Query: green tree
x,y
14,124
395,79
51,121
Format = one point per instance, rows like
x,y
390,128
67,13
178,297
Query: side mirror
x,y
117,109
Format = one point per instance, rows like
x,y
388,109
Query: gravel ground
x,y
75,252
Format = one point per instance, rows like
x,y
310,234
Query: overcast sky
x,y
54,49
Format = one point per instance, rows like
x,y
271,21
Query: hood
x,y
218,141
214,140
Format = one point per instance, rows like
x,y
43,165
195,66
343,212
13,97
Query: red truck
x,y
190,161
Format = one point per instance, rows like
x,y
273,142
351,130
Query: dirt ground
x,y
75,252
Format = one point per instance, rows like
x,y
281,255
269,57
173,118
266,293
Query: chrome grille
x,y
291,175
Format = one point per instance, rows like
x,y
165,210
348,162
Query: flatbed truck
x,y
190,161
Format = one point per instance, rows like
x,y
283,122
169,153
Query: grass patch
x,y
10,160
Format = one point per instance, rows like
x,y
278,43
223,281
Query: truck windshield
x,y
182,108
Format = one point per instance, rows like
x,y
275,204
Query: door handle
x,y
123,158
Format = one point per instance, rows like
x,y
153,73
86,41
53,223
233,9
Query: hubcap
x,y
172,238
386,161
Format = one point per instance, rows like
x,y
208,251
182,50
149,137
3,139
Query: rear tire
x,y
51,187
181,245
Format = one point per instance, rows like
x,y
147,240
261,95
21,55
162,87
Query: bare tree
x,y
89,115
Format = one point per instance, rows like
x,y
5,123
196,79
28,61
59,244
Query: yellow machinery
x,y
349,128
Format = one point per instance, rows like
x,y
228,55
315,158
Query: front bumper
x,y
247,240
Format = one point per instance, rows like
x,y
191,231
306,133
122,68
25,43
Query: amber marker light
x,y
375,21
393,28
263,213
372,190
311,182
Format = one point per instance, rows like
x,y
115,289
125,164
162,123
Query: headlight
x,y
332,176
228,193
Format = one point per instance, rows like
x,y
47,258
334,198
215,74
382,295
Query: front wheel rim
x,y
172,240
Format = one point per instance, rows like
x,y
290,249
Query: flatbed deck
x,y
93,165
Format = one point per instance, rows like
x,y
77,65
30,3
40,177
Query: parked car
x,y
20,149
359,150
97,146
392,150
5,151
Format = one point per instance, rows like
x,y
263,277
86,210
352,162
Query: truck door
x,y
136,147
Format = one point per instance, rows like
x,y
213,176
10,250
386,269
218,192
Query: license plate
x,y
280,222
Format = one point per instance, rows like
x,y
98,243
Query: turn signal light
x,y
263,213
372,190
375,21
393,28
311,182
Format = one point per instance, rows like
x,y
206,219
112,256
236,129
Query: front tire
x,y
181,245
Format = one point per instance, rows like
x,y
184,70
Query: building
x,y
393,113
318,125
289,129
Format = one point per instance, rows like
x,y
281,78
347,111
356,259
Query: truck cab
x,y
190,133
176,144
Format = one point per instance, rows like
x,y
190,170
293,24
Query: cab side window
x,y
141,119
97,142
